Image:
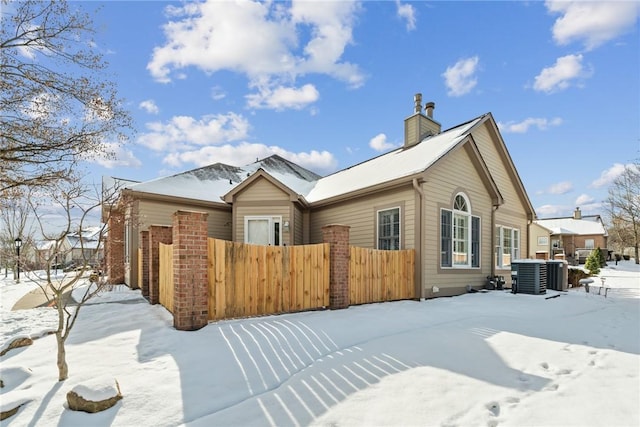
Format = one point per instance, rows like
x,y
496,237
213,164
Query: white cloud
x,y
245,153
272,43
281,98
184,132
380,143
560,188
550,211
592,22
217,93
117,156
561,74
609,175
407,12
149,106
460,77
584,199
523,126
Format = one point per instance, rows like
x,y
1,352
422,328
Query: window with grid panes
x,y
389,229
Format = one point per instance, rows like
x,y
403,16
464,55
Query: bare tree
x,y
79,207
56,103
14,224
624,208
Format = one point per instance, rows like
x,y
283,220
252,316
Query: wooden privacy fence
x,y
377,276
251,280
165,278
199,279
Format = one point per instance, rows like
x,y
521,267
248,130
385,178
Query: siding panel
x,y
360,215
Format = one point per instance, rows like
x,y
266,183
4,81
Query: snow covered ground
x,y
483,359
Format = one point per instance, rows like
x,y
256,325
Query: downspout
x,y
493,240
418,237
529,254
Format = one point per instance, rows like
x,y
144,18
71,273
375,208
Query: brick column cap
x,y
336,226
188,212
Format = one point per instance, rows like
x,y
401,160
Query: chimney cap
x,y
417,101
429,106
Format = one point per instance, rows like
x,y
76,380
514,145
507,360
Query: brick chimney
x,y
577,214
419,126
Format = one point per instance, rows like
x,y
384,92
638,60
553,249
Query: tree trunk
x,y
63,369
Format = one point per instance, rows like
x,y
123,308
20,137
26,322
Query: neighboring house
x,y
576,236
74,248
47,251
86,246
454,196
540,243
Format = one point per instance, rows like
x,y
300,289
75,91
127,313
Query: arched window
x,y
459,235
461,231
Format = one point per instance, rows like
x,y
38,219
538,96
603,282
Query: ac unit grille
x,y
532,277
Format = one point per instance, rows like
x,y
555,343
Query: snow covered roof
x,y
211,182
585,226
90,240
399,163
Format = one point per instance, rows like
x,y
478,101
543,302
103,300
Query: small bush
x,y
593,262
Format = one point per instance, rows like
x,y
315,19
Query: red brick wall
x,y
115,246
144,245
190,270
338,238
157,234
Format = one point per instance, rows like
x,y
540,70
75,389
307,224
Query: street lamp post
x,y
18,243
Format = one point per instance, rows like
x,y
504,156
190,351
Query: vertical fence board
x,y
285,295
165,276
307,271
326,274
238,262
140,280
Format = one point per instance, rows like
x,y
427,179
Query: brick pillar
x,y
190,270
144,245
157,234
338,237
115,246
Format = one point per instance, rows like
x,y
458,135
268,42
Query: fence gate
x,y
253,280
378,276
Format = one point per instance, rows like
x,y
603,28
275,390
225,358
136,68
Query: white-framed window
x,y
589,244
263,230
459,235
507,246
388,229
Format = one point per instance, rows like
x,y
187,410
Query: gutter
x,y
493,239
175,199
418,237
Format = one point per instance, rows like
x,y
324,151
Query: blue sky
x,y
328,84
